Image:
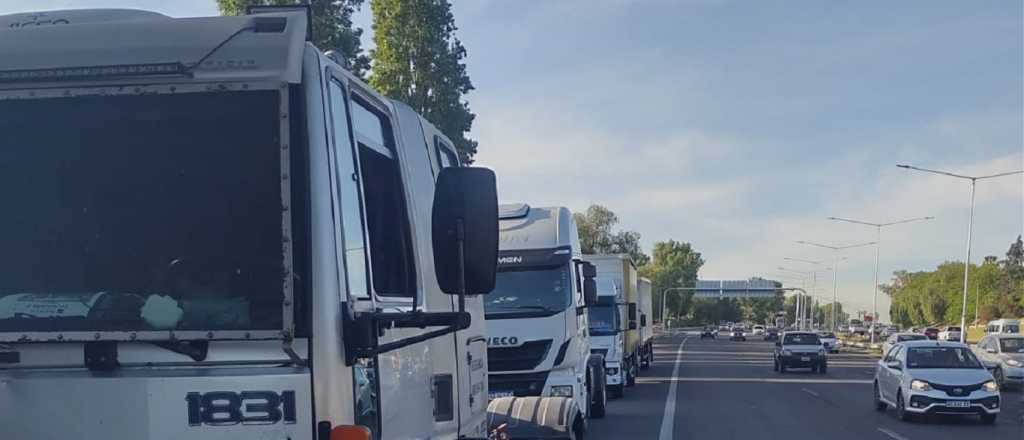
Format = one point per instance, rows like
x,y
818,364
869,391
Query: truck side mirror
x,y
632,325
643,320
465,230
589,272
589,291
632,315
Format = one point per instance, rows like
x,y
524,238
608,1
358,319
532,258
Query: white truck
x,y
645,302
537,333
213,231
626,356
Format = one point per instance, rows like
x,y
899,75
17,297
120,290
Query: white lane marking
x,y
673,379
669,417
811,392
892,435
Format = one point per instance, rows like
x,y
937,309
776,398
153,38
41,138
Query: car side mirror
x,y
895,365
465,230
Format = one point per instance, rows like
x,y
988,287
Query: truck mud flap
x,y
534,417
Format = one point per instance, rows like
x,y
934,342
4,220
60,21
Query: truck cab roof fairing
x,y
137,38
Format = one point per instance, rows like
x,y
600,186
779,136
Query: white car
x,y
1004,355
758,330
901,337
950,333
933,377
828,340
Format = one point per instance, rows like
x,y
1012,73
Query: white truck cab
x,y
213,231
537,333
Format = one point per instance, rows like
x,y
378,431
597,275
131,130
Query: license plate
x,y
805,359
497,394
958,404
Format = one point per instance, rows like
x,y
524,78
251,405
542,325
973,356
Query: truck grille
x,y
521,384
524,357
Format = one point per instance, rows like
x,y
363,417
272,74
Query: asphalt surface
x,y
727,390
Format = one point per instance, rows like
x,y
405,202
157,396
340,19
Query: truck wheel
x,y
631,376
598,400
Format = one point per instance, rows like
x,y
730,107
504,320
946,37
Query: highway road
x,y
722,390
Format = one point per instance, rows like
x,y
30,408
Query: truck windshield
x,y
604,319
140,212
530,289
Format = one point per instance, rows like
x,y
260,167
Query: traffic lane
x,y
743,370
729,391
638,414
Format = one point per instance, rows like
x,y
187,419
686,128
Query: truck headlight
x,y
920,385
611,371
1013,362
990,386
561,391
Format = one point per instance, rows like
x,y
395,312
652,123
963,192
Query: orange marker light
x,y
350,432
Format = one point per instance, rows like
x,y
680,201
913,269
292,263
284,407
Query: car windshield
x,y
530,289
941,357
827,335
604,319
1011,345
141,212
902,338
953,329
801,339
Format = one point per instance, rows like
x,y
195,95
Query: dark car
x,y
771,334
800,350
708,332
738,334
932,333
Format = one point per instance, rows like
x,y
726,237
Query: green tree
x,y
673,264
595,227
332,28
418,60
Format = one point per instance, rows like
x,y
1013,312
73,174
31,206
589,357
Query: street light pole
x,y
970,230
878,245
835,270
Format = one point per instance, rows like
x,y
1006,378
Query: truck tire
x,y
537,417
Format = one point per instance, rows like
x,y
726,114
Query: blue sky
x,y
740,126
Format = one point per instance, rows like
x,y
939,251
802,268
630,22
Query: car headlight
x,y
920,385
990,386
561,391
787,353
1013,362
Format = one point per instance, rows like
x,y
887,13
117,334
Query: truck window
x,y
445,154
348,191
387,220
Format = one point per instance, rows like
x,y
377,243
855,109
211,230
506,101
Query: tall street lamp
x,y
798,314
878,245
970,230
835,269
814,281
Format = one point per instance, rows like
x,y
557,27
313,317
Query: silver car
x,y
1004,355
901,337
933,377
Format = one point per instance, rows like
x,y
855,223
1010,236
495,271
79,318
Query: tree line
x,y
995,290
417,58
